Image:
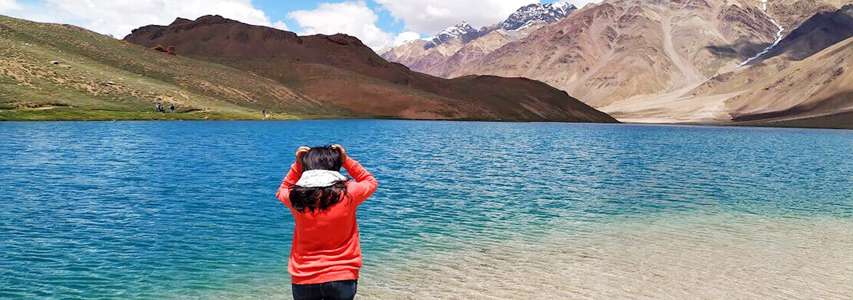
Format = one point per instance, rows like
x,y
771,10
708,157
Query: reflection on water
x,y
464,210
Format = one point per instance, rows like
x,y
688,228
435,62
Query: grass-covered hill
x,y
53,71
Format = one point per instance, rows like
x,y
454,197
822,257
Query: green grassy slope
x,y
51,71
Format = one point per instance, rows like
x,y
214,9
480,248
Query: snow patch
x,y
776,42
537,13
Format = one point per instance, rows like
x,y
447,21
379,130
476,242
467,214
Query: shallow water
x,y
464,210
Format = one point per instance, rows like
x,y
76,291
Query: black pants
x,y
333,290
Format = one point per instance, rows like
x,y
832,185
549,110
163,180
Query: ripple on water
x,y
464,210
719,256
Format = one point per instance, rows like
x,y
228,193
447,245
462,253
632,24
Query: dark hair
x,y
319,198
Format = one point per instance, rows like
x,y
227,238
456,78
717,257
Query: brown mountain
x,y
803,81
340,71
806,80
682,61
461,44
623,48
822,30
791,13
620,49
814,92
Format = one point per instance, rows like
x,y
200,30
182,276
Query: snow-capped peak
x,y
463,30
548,13
521,18
563,5
458,29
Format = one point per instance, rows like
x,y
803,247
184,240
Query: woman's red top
x,y
325,243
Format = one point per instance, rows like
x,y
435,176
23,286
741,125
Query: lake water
x,y
465,210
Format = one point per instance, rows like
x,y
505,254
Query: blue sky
x,y
378,23
278,10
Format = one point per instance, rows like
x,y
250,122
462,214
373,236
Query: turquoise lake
x,y
185,210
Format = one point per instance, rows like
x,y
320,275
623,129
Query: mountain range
x,y
750,62
213,67
685,61
461,44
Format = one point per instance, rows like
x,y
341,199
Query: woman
x,y
325,255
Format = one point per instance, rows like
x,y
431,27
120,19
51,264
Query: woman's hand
x,y
342,150
301,151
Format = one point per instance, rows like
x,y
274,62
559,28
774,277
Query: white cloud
x,y
9,6
280,25
404,37
352,17
430,17
119,17
582,3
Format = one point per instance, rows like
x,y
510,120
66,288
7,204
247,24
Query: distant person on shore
x,y
325,255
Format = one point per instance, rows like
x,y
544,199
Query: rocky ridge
x,y
340,71
461,43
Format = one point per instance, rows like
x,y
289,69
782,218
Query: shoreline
x,y
107,115
142,116
112,115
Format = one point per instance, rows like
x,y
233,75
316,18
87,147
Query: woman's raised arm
x,y
365,184
283,193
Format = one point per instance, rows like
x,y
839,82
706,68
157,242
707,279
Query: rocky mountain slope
x,y
822,30
340,71
806,80
791,13
536,13
462,31
460,44
653,61
814,92
625,48
803,80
